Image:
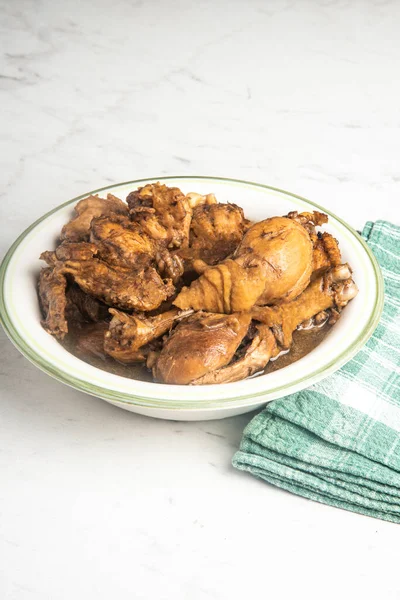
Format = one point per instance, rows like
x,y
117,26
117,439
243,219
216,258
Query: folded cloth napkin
x,y
338,442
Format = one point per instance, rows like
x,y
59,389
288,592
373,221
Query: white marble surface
x,y
99,503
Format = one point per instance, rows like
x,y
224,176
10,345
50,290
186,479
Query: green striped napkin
x,y
315,444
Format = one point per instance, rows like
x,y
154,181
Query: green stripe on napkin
x,y
338,442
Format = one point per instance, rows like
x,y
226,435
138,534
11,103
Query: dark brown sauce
x,y
304,340
84,341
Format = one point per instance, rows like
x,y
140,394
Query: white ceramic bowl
x,y
20,314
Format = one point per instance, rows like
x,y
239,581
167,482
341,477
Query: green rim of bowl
x,y
230,402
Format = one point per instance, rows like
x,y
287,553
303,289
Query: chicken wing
x,y
77,229
200,344
273,263
129,333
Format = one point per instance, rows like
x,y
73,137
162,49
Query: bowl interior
x,y
21,315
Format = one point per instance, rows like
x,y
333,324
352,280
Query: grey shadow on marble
x,y
34,401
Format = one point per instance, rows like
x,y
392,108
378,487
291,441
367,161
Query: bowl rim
x,y
243,400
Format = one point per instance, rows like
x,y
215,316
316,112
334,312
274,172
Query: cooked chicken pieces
x,y
326,251
53,302
197,199
200,344
257,355
251,287
169,265
309,220
129,333
272,263
61,303
215,232
116,286
218,227
284,248
225,288
120,242
82,307
78,228
334,289
163,213
123,287
75,251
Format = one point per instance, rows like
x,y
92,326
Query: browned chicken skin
x,y
62,304
272,263
53,302
256,286
326,251
82,307
78,228
169,265
75,251
143,290
215,232
257,355
333,289
69,251
200,344
121,242
163,213
225,288
284,247
309,220
114,285
129,333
